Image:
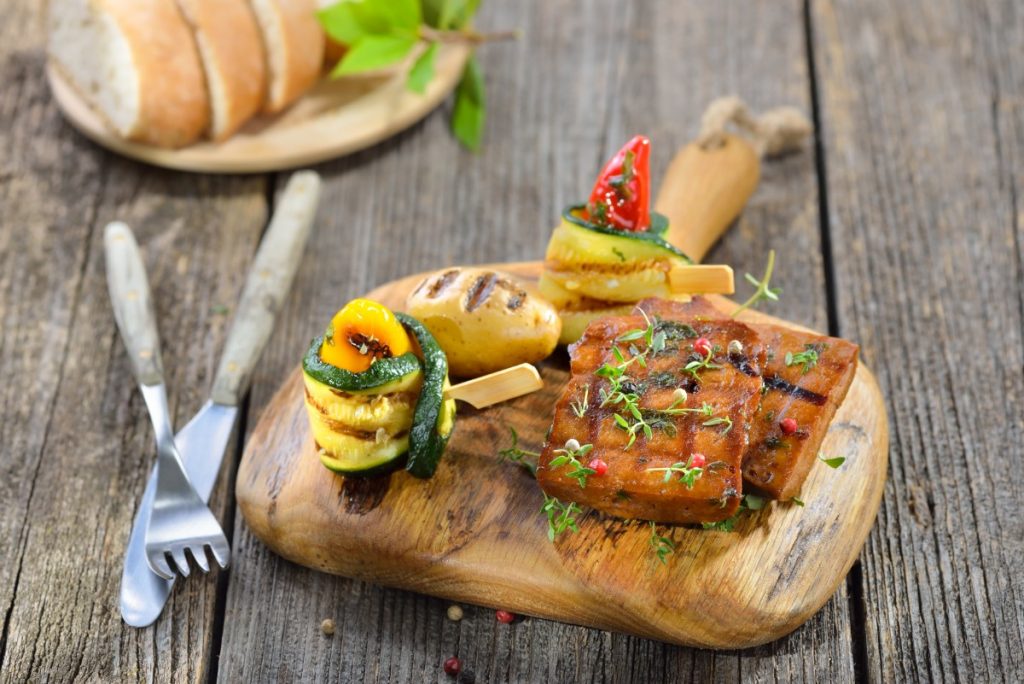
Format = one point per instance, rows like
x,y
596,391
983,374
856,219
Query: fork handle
x,y
270,277
132,303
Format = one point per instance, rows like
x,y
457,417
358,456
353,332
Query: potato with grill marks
x,y
484,320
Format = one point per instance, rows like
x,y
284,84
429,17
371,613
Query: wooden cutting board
x,y
335,118
474,532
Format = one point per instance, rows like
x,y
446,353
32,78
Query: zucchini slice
x,y
434,418
382,377
599,244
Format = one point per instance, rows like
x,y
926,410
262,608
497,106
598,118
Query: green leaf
x,y
422,71
340,22
349,21
374,52
470,107
433,10
832,462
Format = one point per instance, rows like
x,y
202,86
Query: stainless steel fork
x,y
180,525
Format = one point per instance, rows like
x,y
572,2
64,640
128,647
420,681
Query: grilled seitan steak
x,y
807,390
726,386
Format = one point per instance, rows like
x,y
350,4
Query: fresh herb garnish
x,y
580,406
695,366
618,252
621,181
382,33
749,502
831,462
571,455
561,517
663,546
798,502
763,291
521,457
687,475
808,357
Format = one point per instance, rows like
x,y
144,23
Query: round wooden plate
x,y
335,118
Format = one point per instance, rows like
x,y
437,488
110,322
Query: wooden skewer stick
x,y
495,388
701,279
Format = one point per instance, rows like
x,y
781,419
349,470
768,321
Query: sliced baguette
x,y
294,46
231,50
136,63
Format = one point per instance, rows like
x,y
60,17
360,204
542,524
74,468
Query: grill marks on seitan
x,y
777,464
629,488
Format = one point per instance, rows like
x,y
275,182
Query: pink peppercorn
x,y
452,666
698,461
702,346
504,616
598,466
788,425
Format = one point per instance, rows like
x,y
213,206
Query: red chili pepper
x,y
621,197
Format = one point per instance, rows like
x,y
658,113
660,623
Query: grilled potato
x,y
484,320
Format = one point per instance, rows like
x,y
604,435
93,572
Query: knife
x,y
203,440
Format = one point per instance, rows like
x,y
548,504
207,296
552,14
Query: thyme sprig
x,y
706,410
697,365
687,475
579,407
521,457
763,291
808,357
663,546
570,455
749,502
561,517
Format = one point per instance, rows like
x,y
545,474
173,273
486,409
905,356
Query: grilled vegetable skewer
x,y
377,392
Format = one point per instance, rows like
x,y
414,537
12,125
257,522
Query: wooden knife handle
x,y
270,278
705,189
132,303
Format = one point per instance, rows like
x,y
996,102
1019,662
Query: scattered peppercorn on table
x,y
913,144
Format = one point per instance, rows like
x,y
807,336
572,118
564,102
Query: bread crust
x,y
303,51
231,51
174,105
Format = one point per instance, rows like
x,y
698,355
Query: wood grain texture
x,y
75,446
553,119
336,117
923,133
474,531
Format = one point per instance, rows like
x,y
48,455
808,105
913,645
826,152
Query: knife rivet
x,y
146,354
232,367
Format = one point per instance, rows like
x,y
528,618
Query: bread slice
x,y
294,45
231,50
136,63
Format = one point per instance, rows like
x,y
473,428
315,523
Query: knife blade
x,y
203,440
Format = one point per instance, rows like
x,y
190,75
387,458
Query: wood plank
x,y
553,118
923,137
75,446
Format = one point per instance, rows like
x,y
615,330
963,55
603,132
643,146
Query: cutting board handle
x,y
705,188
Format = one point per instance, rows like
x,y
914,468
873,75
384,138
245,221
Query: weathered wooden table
x,y
902,228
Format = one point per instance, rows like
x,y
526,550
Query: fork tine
x,y
181,561
221,552
158,564
199,556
